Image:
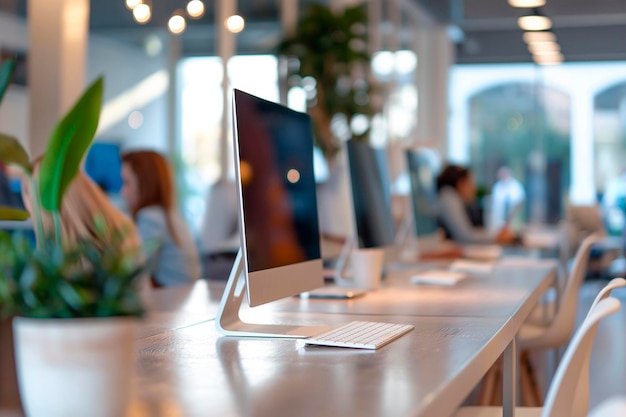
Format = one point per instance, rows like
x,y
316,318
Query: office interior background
x,y
455,76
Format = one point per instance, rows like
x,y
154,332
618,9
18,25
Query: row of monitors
x,y
277,190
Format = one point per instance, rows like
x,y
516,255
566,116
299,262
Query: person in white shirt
x,y
507,197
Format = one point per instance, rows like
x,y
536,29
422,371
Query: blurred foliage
x,y
81,280
332,49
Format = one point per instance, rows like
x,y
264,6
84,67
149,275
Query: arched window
x,y
525,126
610,153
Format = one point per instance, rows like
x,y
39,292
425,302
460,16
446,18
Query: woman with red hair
x,y
149,191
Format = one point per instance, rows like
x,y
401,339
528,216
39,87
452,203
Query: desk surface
x,y
500,293
185,369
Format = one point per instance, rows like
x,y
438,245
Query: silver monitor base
x,y
228,322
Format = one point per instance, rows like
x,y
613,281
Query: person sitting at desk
x,y
456,190
148,189
219,239
82,203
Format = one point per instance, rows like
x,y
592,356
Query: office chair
x,y
566,396
558,331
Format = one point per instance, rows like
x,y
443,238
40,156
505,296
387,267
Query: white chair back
x,y
562,326
566,397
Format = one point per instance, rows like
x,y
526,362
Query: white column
x,y
58,34
458,145
226,49
582,189
435,56
289,21
173,107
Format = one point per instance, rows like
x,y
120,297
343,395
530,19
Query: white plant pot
x,y
74,367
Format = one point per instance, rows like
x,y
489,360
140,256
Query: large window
x,y
610,154
526,127
202,110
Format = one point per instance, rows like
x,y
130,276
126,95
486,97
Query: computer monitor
x,y
371,195
423,175
280,242
104,165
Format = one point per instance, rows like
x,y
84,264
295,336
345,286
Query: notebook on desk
x,y
472,266
438,277
333,292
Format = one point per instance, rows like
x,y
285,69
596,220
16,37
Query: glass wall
x,y
610,153
561,130
527,128
201,104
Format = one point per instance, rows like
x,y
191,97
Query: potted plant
x,y
331,49
74,303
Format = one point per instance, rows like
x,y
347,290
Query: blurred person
x,y
83,204
507,197
456,190
149,191
219,238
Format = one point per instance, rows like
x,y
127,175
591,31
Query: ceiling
x,y
587,30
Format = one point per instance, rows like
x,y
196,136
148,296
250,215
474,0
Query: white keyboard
x,y
361,335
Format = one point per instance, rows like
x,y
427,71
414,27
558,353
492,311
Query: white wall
x,y
14,109
124,67
133,81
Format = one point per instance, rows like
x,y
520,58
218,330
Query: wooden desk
x,y
185,369
511,290
428,372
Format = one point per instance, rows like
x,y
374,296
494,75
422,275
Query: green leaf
x,y
12,213
67,146
6,73
12,153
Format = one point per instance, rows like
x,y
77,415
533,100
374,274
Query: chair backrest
x,y
564,321
605,292
565,395
613,407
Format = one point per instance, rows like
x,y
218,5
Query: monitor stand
x,y
405,241
228,322
343,262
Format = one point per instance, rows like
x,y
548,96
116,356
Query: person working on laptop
x,y
455,191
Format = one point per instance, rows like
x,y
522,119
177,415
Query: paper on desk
x,y
472,267
438,277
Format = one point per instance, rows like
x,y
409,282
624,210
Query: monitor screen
x,y
274,166
104,165
423,175
371,195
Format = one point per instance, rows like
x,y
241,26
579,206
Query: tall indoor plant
x,y
331,48
74,303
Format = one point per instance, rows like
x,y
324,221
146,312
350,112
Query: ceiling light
x,y
142,13
527,4
538,47
131,4
534,21
177,23
195,9
539,36
235,23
